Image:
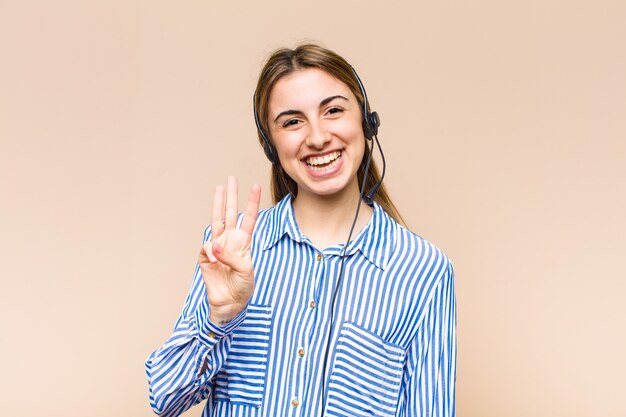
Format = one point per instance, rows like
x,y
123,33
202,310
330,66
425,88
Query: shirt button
x,y
312,304
212,335
319,257
295,402
301,352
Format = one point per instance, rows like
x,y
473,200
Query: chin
x,y
332,188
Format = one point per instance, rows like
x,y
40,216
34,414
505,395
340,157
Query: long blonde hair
x,y
285,61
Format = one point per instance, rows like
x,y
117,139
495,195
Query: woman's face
x,y
315,124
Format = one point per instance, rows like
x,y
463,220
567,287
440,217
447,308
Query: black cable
x,y
369,198
370,195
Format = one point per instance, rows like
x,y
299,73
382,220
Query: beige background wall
x,y
504,124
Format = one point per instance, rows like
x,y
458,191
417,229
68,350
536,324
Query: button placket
x,y
304,341
318,271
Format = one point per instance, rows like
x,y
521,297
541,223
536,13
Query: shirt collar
x,y
282,220
376,241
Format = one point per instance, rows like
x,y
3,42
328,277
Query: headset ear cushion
x,y
373,121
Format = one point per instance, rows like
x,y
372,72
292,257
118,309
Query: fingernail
x,y
217,248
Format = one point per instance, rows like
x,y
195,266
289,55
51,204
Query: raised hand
x,y
225,261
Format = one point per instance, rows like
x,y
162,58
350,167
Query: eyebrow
x,y
322,103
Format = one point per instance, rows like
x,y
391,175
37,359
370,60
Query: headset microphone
x,y
369,197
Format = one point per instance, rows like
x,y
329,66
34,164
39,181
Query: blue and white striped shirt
x,y
393,342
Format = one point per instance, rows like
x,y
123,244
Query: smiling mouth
x,y
321,163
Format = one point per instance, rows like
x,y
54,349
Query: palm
x,y
225,261
224,283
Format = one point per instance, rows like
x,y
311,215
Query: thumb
x,y
230,259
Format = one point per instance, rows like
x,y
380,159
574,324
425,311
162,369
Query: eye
x,y
335,110
291,123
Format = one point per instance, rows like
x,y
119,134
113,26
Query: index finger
x,y
252,209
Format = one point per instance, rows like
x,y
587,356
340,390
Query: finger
x,y
206,253
231,203
217,214
252,209
234,261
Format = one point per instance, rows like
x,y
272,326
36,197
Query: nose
x,y
317,136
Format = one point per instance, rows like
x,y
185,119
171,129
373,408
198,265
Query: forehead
x,y
306,87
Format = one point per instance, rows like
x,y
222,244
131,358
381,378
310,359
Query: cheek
x,y
351,129
355,140
287,143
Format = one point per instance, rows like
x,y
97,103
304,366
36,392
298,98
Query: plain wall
x,y
504,128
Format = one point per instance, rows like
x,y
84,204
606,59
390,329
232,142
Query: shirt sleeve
x,y
176,375
431,389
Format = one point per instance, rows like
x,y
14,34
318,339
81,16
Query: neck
x,y
326,220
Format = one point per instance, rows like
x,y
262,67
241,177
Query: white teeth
x,y
322,160
325,167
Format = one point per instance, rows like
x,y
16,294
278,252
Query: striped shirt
x,y
392,344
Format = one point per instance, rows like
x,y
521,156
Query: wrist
x,y
223,315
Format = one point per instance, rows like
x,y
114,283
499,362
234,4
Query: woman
x,y
286,318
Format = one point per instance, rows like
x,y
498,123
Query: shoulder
x,y
409,241
416,256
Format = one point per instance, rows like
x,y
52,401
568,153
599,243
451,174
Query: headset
x,y
371,122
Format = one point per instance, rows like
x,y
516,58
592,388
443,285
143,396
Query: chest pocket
x,y
366,375
242,378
